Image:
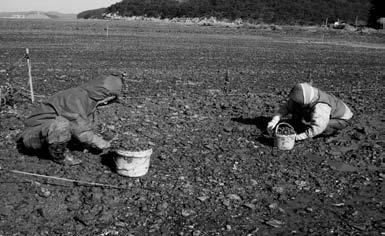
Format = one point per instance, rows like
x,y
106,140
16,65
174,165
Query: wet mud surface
x,y
201,97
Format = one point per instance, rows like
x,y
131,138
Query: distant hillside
x,y
36,15
304,12
92,14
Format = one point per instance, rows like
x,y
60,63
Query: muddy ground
x,y
201,98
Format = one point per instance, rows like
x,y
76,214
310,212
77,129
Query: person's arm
x,y
82,131
94,140
319,122
282,112
105,101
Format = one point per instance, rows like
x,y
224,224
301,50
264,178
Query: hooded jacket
x,y
76,105
314,107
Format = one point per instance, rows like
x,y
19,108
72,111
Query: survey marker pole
x,y
30,75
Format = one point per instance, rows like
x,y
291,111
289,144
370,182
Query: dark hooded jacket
x,y
75,104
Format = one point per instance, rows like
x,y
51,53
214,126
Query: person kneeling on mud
x,y
314,112
68,114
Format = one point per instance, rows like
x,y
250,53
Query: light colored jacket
x,y
316,108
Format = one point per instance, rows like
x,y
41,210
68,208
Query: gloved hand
x,y
271,125
300,136
100,143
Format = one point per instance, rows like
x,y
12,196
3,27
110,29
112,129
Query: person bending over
x,y
314,112
68,115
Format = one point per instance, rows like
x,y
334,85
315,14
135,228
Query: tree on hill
x,y
150,8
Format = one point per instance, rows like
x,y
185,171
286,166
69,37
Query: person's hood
x,y
104,86
303,94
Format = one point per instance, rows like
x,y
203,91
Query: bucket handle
x,y
282,123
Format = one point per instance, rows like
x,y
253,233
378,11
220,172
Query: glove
x,y
271,125
300,136
100,143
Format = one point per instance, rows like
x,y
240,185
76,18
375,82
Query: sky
x,y
62,6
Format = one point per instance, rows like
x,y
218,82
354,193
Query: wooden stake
x,y
107,31
30,75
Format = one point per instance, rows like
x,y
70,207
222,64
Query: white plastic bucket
x,y
132,164
284,142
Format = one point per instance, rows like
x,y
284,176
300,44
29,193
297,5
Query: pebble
x,y
300,184
254,232
187,212
203,198
275,223
162,156
121,224
278,189
228,128
273,206
309,209
234,197
226,202
250,206
111,127
163,206
44,192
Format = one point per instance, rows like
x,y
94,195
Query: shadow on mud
x,y
42,153
107,159
261,123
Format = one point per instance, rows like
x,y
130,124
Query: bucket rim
x,y
283,135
